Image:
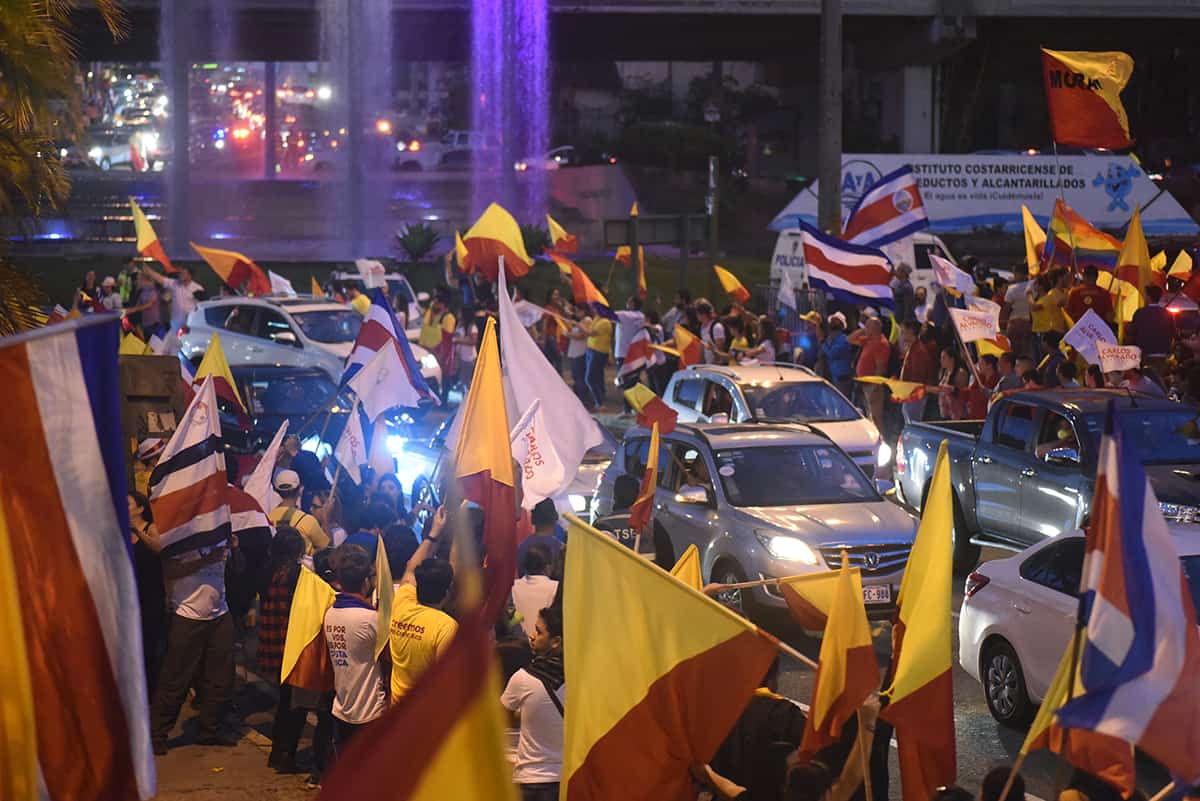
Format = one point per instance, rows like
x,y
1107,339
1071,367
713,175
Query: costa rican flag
x,y
887,212
851,273
380,327
1141,654
73,688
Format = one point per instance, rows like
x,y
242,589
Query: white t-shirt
x,y
1017,296
532,594
465,353
711,333
576,347
358,692
183,300
539,747
200,594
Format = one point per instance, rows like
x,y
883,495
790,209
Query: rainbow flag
x,y
1071,241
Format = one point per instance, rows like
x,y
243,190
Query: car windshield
x,y
333,325
791,475
806,401
1191,572
290,394
1160,436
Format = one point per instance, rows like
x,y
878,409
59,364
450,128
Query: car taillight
x,y
900,461
414,146
975,583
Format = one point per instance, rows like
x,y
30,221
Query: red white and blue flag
x,y
851,273
73,689
1141,654
380,328
887,212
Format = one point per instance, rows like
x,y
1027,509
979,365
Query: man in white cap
x,y
288,513
148,451
110,299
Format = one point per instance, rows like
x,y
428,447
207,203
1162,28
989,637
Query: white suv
x,y
285,331
776,393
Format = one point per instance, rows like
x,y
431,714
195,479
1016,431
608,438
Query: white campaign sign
x,y
542,472
973,325
984,306
950,276
970,193
1087,332
1118,358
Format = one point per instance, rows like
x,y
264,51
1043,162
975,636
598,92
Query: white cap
x,y
287,480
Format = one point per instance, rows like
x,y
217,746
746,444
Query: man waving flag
x,y
1141,649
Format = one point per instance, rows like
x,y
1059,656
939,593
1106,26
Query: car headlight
x,y
429,362
1180,513
789,549
95,153
884,455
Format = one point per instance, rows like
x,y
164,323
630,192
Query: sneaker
x,y
313,782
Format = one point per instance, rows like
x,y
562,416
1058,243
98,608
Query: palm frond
x,y
20,300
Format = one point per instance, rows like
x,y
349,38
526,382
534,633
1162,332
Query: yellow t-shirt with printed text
x,y
417,635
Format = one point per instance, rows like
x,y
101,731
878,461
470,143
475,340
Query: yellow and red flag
x,y
657,694
215,364
460,250
236,270
455,706
689,347
809,597
624,256
922,696
132,345
643,508
730,283
305,654
901,390
847,671
316,290
495,236
633,210
687,568
147,240
18,723
585,292
650,409
1035,240
1133,262
1083,93
1106,757
1182,266
560,240
484,468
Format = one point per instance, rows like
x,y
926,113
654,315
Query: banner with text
x,y
1118,358
973,325
984,193
1087,333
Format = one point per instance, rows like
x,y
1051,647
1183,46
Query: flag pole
x,y
1163,793
789,650
1012,774
866,762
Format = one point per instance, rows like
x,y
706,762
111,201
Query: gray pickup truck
x,y
1027,471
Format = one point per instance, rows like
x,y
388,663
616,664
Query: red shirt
x,y
874,358
1089,296
920,364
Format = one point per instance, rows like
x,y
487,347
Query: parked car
x,y
291,331
768,500
776,393
110,149
415,155
405,300
1018,615
1027,472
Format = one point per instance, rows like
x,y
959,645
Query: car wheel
x,y
1004,686
105,164
731,573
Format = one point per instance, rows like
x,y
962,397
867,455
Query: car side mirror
x,y
287,338
691,494
1062,456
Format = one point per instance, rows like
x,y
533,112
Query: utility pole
x,y
829,131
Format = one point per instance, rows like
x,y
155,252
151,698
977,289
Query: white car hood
x,y
852,436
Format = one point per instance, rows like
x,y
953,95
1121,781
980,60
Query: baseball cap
x,y
149,448
286,480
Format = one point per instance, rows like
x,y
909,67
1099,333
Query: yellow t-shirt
x,y
432,331
1049,317
361,304
739,343
417,635
601,338
315,537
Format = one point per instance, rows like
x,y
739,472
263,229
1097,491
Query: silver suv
x,y
769,500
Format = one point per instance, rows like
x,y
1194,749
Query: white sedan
x,y
1018,614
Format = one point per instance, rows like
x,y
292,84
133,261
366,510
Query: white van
x,y
913,251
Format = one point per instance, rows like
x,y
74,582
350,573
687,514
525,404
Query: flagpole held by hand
x,y
862,753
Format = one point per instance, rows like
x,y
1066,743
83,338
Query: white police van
x,y
913,251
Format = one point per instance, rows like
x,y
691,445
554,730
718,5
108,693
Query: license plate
x,y
877,594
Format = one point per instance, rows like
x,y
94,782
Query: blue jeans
x,y
596,362
579,377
